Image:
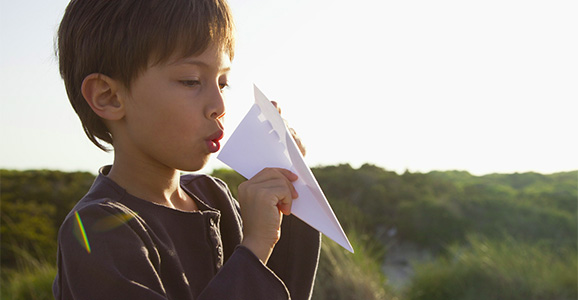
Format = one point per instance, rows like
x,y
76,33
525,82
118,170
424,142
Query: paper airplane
x,y
262,140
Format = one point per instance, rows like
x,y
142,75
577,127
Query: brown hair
x,y
119,38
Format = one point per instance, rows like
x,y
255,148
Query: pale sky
x,y
483,86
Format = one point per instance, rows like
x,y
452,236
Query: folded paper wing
x,y
262,141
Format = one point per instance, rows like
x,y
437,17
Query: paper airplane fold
x,y
262,140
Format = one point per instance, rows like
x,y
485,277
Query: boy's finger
x,y
291,177
264,175
285,203
270,173
298,141
285,208
288,174
276,106
288,187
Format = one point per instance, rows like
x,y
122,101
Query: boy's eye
x,y
222,86
190,83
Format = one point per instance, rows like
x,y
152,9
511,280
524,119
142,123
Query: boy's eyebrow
x,y
188,61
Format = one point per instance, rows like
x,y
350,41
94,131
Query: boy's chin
x,y
195,165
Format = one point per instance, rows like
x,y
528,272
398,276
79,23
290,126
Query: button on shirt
x,y
215,238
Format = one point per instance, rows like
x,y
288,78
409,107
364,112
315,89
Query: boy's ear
x,y
102,93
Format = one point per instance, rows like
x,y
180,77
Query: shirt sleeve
x,y
107,253
296,256
244,276
101,257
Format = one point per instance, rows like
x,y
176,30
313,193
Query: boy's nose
x,y
216,108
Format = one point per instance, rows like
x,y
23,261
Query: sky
x,y
483,86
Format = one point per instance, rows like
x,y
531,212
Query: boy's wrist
x,y
262,251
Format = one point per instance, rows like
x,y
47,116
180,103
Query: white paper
x,y
262,140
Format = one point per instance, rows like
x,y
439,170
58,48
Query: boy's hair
x,y
120,38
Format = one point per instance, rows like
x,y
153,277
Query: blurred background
x,y
483,86
442,132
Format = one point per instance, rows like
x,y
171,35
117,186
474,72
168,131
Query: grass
x,y
343,276
483,269
32,280
524,246
505,269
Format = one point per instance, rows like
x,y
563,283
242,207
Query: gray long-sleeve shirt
x,y
113,245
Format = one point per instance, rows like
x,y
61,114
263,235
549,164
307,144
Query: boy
x,y
146,76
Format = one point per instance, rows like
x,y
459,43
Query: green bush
x,y
31,281
345,276
34,204
506,269
431,224
525,224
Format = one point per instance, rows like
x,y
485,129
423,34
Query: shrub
x,y
344,276
32,281
507,269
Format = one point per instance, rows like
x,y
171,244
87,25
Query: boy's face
x,y
173,111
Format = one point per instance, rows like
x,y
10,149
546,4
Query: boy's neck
x,y
154,183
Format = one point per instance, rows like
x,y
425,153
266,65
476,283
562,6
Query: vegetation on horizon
x,y
494,236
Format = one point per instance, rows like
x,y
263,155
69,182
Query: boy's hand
x,y
293,133
263,199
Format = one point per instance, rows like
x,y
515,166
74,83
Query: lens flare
x,y
82,232
102,225
112,222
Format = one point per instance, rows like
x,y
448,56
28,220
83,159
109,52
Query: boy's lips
x,y
213,141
